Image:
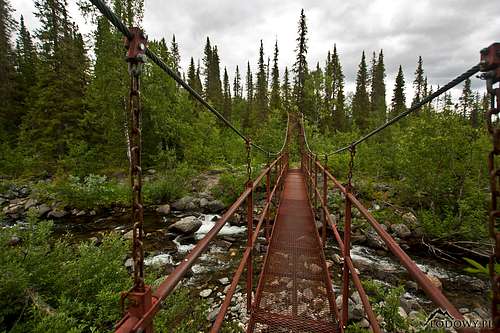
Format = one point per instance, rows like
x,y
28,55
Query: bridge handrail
x,y
422,280
131,323
246,255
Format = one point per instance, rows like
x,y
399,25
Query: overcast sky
x,y
448,34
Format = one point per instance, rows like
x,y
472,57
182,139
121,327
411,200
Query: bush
x,y
168,185
84,193
58,287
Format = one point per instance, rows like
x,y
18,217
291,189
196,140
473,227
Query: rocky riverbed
x,y
172,230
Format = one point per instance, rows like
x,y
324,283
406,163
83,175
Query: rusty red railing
x,y
139,317
252,233
311,167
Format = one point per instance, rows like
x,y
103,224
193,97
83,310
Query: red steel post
x,y
345,273
268,199
325,201
249,245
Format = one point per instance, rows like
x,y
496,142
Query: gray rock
x,y
374,240
215,206
13,209
43,209
205,293
129,235
57,213
409,304
186,225
410,218
203,202
163,209
224,281
30,203
159,260
185,203
364,323
401,230
129,263
213,314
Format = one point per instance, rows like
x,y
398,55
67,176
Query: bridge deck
x,y
294,292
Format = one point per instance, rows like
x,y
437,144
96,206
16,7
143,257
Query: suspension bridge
x,y
294,291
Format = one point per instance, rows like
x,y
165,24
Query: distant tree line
x,y
60,105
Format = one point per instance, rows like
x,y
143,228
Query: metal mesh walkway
x,y
294,292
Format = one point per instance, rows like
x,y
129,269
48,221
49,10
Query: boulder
x,y
43,209
159,260
185,203
186,225
204,202
401,230
215,206
375,241
57,213
13,209
30,203
205,293
129,234
163,209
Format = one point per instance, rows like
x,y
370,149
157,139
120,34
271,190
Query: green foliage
x,y
167,186
386,303
57,287
84,192
477,268
231,184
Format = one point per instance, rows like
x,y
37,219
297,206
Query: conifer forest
x,y
66,142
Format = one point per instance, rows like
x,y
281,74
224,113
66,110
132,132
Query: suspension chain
x,y
249,161
135,58
352,150
490,66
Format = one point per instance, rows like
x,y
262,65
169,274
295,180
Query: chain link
x,y
352,150
136,58
249,161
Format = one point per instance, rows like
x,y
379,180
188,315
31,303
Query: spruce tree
x,y
300,66
275,100
314,100
193,79
227,105
337,108
26,59
419,82
216,96
106,119
286,92
237,90
53,120
247,116
9,118
261,98
207,67
398,102
466,100
361,101
176,58
328,93
378,104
